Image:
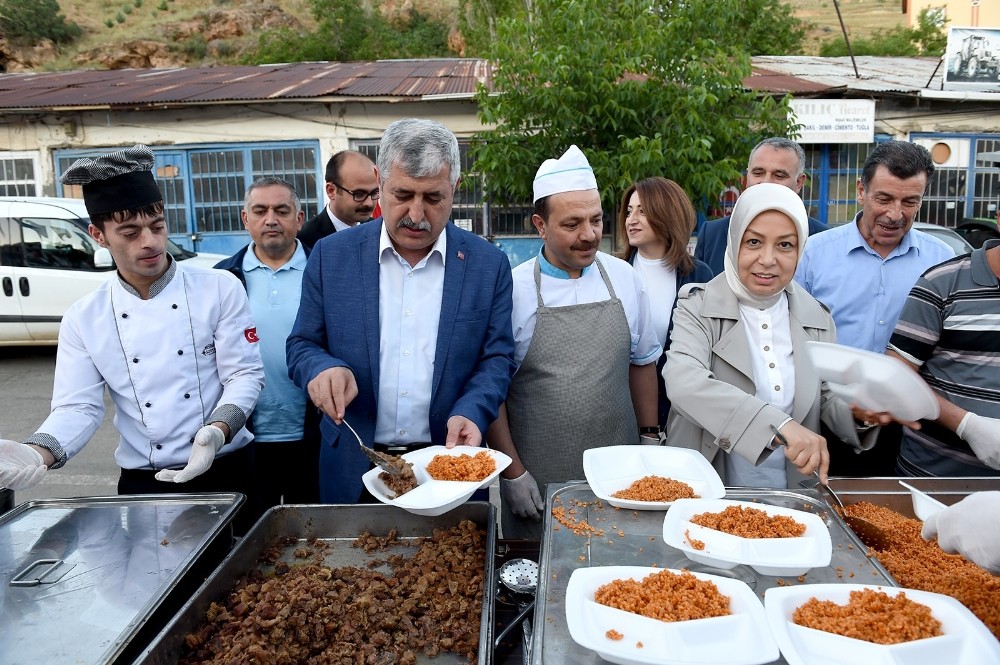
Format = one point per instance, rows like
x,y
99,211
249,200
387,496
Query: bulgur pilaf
x,y
665,596
656,488
750,523
469,468
872,616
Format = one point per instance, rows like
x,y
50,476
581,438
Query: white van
x,y
48,261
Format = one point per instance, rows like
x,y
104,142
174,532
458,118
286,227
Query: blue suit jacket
x,y
714,235
338,326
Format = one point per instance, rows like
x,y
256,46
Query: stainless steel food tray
x,y
93,579
640,543
338,526
886,491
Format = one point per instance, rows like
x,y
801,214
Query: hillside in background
x,y
173,33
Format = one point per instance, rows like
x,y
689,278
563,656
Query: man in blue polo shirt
x,y
285,427
864,270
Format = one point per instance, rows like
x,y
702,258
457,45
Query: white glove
x,y
983,436
971,527
21,466
207,443
522,495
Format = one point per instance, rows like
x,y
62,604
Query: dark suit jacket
x,y
318,227
339,327
713,237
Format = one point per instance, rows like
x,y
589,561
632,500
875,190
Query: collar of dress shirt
x,y
337,224
439,247
550,270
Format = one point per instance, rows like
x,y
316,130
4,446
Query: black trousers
x,y
229,473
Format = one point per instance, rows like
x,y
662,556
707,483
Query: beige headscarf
x,y
753,201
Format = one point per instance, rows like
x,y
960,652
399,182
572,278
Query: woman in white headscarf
x,y
737,372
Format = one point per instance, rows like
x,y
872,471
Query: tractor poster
x,y
972,59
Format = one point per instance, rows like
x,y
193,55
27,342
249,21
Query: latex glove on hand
x,y
207,442
983,436
21,466
522,495
971,528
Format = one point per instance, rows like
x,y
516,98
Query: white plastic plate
x,y
966,640
433,497
768,556
741,638
614,468
873,381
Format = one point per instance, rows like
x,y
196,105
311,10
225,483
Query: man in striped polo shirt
x,y
950,332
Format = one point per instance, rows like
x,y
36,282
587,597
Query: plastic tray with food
x,y
649,477
445,478
828,624
773,540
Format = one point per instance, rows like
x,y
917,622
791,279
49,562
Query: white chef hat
x,y
569,173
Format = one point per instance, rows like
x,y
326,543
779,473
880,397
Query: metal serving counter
x,y
886,491
635,538
87,580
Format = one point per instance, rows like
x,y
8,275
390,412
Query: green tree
x,y
929,37
641,92
28,22
764,27
347,30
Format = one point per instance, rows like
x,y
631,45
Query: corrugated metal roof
x,y
874,74
303,80
413,79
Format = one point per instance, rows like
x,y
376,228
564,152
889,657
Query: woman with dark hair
x,y
657,219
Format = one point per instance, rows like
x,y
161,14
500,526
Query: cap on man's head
x,y
569,173
121,180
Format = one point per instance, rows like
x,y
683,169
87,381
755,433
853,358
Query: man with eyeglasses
x,y
352,188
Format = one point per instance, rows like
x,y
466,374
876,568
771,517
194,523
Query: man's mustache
x,y
423,225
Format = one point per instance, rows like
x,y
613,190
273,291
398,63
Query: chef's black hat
x,y
121,180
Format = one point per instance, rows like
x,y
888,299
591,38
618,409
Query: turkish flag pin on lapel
x,y
461,255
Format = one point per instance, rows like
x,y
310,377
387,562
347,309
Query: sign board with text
x,y
834,120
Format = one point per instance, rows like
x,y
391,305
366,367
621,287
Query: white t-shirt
x,y
661,284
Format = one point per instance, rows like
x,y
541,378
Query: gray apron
x,y
570,393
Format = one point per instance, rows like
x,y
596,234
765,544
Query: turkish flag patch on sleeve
x,y
251,335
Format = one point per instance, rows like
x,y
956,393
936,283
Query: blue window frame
x,y
203,185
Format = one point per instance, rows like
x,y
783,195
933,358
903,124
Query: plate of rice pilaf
x,y
446,478
773,540
699,618
824,624
649,477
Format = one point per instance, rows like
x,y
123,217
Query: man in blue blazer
x,y
775,159
404,328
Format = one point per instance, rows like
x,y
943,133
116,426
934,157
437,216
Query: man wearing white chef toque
x,y
949,332
584,344
175,346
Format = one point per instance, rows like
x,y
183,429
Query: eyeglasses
x,y
360,195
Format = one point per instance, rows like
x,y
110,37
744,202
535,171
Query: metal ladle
x,y
520,576
870,534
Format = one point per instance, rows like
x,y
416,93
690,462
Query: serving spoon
x,y
870,534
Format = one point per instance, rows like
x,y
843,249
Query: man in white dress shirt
x,y
585,348
417,351
175,346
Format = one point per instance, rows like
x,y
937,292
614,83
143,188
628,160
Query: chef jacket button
x,y
724,444
187,395
135,360
149,404
180,352
173,306
124,315
159,446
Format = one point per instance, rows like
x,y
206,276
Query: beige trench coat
x,y
709,379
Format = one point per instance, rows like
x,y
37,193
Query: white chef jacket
x,y
168,362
